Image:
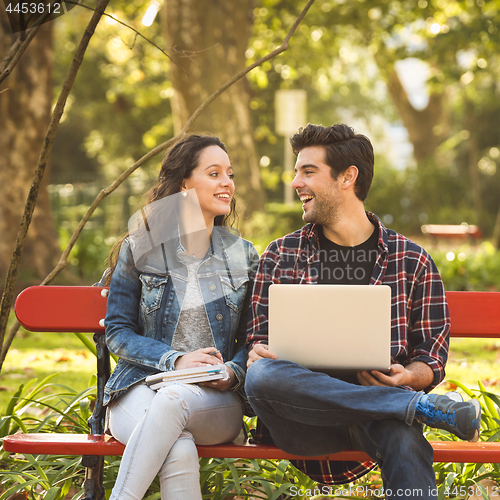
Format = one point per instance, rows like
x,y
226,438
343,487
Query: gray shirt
x,y
193,329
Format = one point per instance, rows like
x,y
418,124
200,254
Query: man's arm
x,y
429,325
427,336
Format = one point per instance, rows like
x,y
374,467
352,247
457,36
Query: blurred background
x,y
420,79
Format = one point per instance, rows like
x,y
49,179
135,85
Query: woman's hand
x,y
200,357
203,357
223,385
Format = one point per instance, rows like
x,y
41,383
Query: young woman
x,y
178,298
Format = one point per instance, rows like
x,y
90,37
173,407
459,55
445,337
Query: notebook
x,y
188,376
331,328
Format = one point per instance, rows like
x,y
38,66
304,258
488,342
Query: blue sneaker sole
x,y
476,422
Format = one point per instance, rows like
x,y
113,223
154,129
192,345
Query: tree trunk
x,y
209,38
473,161
422,125
25,106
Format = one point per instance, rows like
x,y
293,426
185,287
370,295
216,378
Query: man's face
x,y
319,192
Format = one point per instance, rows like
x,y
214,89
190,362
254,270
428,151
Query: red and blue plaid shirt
x,y
420,323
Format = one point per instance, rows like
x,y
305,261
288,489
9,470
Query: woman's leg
x,y
180,473
160,418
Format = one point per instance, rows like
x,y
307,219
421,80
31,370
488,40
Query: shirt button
x,y
212,287
219,317
207,263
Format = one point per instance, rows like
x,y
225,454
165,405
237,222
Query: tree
x,y
210,39
25,105
57,114
334,58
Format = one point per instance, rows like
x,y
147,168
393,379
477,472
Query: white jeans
x,y
160,429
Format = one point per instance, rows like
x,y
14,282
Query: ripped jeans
x,y
160,429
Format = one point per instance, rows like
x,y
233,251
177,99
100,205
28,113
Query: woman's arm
x,y
123,335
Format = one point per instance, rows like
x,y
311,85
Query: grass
x,y
471,360
36,355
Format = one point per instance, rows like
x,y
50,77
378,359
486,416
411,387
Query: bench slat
x,y
82,444
62,308
474,314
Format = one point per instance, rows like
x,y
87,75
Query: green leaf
x,y
5,428
235,477
87,343
463,387
53,493
282,489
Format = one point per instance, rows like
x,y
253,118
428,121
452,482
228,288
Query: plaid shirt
x,y
420,322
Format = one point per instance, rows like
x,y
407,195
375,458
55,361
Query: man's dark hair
x,y
343,148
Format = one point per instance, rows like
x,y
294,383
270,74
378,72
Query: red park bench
x,y
82,309
452,231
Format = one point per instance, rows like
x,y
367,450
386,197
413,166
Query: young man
x,y
311,413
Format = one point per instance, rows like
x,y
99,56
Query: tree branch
x,y
106,191
8,294
18,47
133,29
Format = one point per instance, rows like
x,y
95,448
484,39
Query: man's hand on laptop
x,y
259,351
417,375
397,376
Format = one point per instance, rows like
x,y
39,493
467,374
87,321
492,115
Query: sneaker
x,y
451,413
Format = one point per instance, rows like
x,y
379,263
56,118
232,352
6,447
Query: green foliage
x,y
458,480
470,267
46,476
69,202
31,409
119,107
277,220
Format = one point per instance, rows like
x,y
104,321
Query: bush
x,y
470,268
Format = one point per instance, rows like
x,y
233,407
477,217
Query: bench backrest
x,y
82,309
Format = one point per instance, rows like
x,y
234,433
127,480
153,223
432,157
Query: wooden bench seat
x,y
82,309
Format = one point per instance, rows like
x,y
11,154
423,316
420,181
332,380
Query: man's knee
x,y
257,378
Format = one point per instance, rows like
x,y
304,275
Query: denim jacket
x,y
144,307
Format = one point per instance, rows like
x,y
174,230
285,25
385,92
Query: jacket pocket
x,y
153,287
234,291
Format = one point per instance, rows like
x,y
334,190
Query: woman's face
x,y
213,181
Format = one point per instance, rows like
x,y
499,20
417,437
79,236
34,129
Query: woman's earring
x,y
184,194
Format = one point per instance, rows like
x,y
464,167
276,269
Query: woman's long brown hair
x,y
177,165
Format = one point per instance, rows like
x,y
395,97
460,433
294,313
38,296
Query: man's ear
x,y
350,175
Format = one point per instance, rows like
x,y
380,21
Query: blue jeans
x,y
160,429
310,413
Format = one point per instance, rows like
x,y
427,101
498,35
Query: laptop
x,y
331,328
